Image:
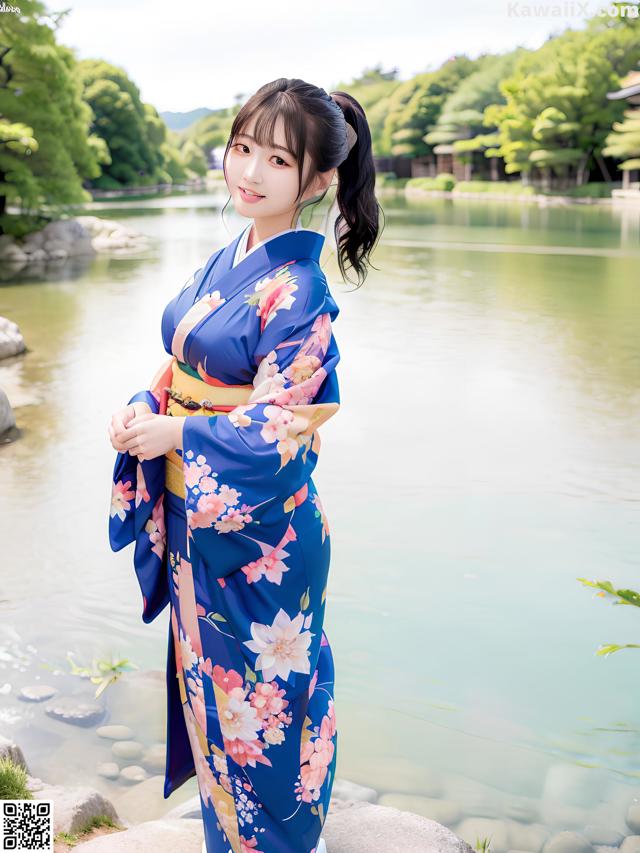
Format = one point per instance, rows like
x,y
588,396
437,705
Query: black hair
x,y
314,121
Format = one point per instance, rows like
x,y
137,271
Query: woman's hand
x,y
148,435
121,419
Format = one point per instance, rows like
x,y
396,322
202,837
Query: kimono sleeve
x,y
137,514
242,468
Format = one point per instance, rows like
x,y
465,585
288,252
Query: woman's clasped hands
x,y
138,431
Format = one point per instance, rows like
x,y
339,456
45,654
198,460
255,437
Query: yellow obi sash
x,y
188,395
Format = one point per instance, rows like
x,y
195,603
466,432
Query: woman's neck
x,y
260,233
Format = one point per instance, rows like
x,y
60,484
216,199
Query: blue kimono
x,y
237,542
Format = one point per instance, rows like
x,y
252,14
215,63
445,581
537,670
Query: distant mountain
x,y
180,121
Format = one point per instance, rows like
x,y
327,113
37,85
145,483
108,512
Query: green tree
x,y
556,115
415,105
45,147
132,130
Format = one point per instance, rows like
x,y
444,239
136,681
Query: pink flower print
x,y
156,529
195,693
227,680
268,699
323,752
207,484
194,470
234,520
274,736
249,846
121,495
238,718
270,566
302,368
311,779
246,752
229,496
188,656
141,487
206,779
220,764
213,300
210,505
237,416
274,294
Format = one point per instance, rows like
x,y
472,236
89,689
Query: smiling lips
x,y
247,195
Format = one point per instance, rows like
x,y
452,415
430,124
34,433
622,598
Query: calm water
x,y
486,455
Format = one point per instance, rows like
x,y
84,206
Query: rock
x,y
632,817
133,773
344,789
108,770
446,812
357,827
602,836
11,340
76,711
145,800
10,749
128,749
532,837
155,758
568,842
189,810
631,844
12,253
7,418
115,732
156,836
37,692
73,808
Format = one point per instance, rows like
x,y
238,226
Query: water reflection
x,y
486,456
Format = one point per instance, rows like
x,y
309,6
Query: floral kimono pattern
x,y
243,559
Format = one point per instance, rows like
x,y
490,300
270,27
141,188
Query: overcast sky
x,y
202,53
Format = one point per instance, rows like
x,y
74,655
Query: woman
x,y
228,525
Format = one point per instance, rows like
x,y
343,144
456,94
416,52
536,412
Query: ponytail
x,y
357,225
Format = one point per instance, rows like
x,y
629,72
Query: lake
x,y
486,455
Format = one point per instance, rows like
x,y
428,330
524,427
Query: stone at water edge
x,y
446,812
108,770
114,732
159,836
37,692
128,749
10,749
568,842
73,807
345,789
76,711
133,773
155,757
359,827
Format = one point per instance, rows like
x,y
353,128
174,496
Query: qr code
x,y
26,825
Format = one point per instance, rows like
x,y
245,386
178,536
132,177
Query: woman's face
x,y
270,172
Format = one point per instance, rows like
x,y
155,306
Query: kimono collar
x,y
291,245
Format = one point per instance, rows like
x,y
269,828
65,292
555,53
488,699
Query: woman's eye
x,y
282,162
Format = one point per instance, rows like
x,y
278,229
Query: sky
x,y
205,54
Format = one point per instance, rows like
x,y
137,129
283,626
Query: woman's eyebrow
x,y
253,139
